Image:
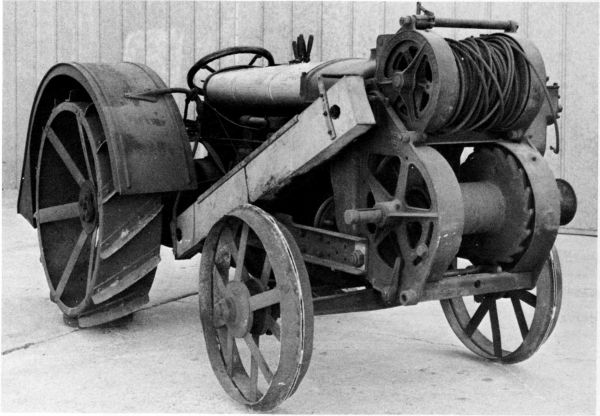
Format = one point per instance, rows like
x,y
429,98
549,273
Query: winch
x,y
309,188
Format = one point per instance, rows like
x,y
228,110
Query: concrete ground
x,y
402,360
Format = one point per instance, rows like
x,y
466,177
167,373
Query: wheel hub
x,y
87,206
234,310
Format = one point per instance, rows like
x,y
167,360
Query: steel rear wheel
x,y
258,325
99,249
529,317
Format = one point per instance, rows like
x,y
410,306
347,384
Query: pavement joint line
x,y
427,341
31,344
169,300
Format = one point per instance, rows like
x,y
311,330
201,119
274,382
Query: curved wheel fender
x,y
147,142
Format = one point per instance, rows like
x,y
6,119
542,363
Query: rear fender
x,y
148,145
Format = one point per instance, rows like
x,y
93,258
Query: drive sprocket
x,y
504,246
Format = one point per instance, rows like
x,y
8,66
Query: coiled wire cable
x,y
494,75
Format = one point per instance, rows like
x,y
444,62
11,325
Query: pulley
x,y
489,83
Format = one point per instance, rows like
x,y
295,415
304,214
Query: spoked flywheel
x,y
520,321
99,249
257,321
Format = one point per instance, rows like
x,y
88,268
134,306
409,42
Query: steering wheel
x,y
204,62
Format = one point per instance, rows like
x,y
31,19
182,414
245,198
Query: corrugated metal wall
x,y
170,36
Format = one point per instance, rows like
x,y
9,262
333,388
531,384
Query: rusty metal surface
x,y
365,164
421,232
146,140
264,304
546,206
534,331
78,215
280,89
417,72
331,249
268,168
508,236
446,86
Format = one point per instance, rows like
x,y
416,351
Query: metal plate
x,y
148,145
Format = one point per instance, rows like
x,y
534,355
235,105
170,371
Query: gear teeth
x,y
495,160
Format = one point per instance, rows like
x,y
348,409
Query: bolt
x,y
408,297
514,134
422,250
398,80
357,258
404,138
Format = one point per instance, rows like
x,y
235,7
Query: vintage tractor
x,y
309,188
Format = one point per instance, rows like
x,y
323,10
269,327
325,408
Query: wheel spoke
x,y
266,271
418,98
66,158
379,192
84,146
262,364
92,254
496,339
409,104
520,316
527,297
241,253
477,318
229,353
415,62
254,373
264,299
64,278
58,213
218,277
274,327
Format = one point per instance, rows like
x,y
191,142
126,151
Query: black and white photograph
x,y
299,207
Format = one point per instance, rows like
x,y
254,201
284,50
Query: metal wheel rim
x,y
295,327
114,265
547,308
94,175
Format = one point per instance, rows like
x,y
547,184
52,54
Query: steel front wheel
x,y
529,317
99,249
258,325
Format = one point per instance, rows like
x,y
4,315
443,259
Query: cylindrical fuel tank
x,y
279,89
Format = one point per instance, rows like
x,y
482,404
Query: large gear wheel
x,y
504,246
417,72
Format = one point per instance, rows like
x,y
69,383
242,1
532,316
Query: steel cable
x,y
493,77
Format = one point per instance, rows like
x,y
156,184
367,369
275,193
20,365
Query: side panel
x,y
303,143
